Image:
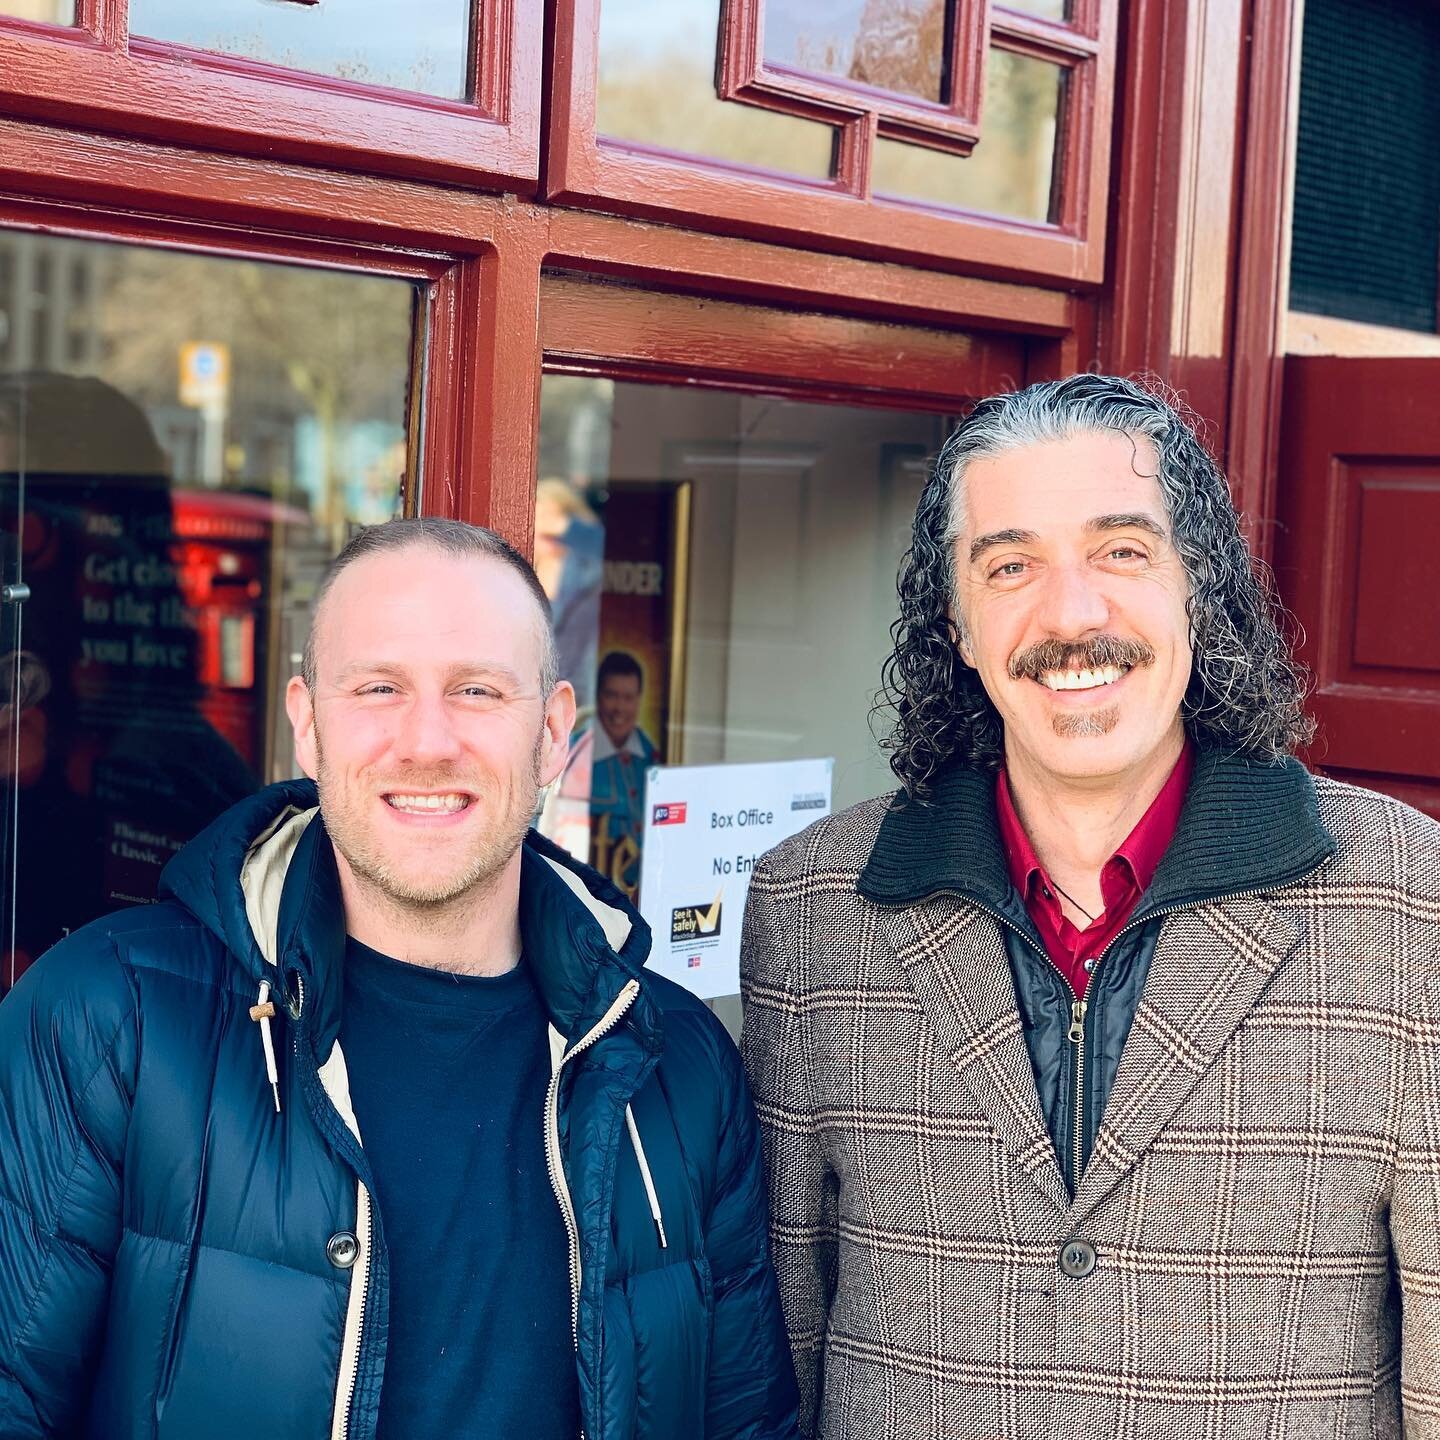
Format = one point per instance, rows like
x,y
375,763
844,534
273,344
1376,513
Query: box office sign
x,y
705,827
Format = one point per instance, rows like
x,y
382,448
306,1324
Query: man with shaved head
x,y
1099,1066
375,1125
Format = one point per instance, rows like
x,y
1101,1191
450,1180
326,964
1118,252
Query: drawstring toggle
x,y
263,1011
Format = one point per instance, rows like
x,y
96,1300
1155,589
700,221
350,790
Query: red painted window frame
x,y
486,257
432,419
952,124
583,169
96,73
661,337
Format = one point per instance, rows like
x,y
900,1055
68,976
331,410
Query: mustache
x,y
1093,654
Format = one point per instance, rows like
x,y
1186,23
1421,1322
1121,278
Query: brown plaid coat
x,y
1263,1198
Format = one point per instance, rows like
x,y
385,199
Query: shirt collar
x,y
1138,856
605,748
1247,824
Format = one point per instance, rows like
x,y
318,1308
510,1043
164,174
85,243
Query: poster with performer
x,y
635,720
705,828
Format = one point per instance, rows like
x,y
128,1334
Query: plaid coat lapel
x,y
1211,964
954,958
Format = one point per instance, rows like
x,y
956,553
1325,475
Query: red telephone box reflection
x,y
222,551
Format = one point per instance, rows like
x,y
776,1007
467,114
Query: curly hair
x,y
1246,692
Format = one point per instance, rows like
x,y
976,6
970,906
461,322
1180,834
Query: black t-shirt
x,y
448,1076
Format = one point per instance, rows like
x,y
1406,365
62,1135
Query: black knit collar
x,y
1245,826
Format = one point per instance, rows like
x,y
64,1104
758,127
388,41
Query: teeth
x,y
427,804
1081,679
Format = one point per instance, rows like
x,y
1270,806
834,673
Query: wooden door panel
x,y
1358,561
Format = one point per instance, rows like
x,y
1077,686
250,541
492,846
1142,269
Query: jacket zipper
x,y
1079,1007
340,1424
553,1158
363,1235
607,1022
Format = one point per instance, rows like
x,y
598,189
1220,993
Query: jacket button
x,y
1077,1258
343,1250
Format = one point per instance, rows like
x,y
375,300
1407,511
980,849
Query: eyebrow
x,y
1100,525
387,670
1127,520
982,543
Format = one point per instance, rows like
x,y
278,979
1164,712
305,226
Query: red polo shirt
x,y
1123,880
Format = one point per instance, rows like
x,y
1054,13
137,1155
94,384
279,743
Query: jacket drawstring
x,y
645,1175
264,1011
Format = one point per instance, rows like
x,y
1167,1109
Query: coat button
x,y
1077,1258
343,1250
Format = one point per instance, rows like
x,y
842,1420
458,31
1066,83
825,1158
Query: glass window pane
x,y
423,45
720,543
1045,9
657,87
1371,256
48,12
201,436
894,45
1011,171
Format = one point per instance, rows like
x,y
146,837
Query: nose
x,y
428,735
1073,605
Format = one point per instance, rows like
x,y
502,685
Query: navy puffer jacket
x,y
166,1265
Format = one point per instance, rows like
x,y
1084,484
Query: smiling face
x,y
427,733
617,702
1071,599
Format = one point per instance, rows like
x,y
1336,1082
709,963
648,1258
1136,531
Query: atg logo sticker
x,y
668,814
696,922
815,800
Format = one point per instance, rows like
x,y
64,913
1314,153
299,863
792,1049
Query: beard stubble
x,y
487,856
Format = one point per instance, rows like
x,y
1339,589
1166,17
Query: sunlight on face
x,y
1072,602
428,734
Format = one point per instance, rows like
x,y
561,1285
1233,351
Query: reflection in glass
x,y
657,87
1045,9
47,12
184,441
1011,172
894,45
422,45
703,551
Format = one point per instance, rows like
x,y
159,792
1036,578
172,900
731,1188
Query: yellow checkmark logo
x,y
707,920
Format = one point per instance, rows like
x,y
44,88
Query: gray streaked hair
x,y
1246,693
450,537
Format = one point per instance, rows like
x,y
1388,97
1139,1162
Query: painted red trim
x,y
589,171
701,263
589,326
95,75
952,124
1262,269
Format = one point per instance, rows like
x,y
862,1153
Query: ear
x,y
301,710
559,722
962,636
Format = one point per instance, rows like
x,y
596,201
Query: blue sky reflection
x,y
421,45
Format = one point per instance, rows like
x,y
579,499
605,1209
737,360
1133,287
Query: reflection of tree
x,y
1009,172
898,45
666,97
332,346
674,105
576,414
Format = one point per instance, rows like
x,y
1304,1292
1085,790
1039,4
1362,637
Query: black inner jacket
x,y
1246,826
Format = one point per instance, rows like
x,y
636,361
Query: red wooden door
x,y
1358,561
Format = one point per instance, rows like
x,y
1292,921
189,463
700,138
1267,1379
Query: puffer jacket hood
x,y
262,879
167,1205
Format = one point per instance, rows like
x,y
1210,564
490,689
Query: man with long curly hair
x,y
1099,1066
